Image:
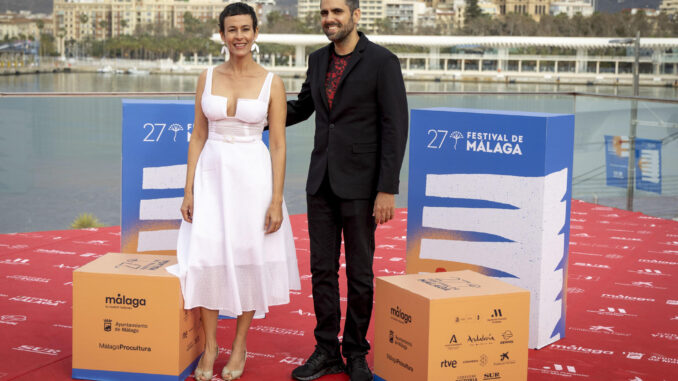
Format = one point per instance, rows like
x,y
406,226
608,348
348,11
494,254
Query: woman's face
x,y
238,34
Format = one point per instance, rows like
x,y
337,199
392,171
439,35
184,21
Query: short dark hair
x,y
236,9
353,5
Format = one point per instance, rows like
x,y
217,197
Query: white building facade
x,y
411,13
79,19
572,7
670,7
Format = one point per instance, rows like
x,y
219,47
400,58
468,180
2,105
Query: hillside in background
x,y
35,6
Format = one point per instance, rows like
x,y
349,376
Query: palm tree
x,y
123,24
40,24
104,25
83,18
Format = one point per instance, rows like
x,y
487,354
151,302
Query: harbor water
x,y
61,155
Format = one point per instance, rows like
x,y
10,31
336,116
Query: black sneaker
x,y
357,369
318,365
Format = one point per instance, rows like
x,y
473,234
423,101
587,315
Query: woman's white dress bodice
x,y
251,115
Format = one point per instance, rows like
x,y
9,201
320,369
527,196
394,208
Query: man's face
x,y
337,20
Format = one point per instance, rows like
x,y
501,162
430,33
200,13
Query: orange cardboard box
x,y
456,326
129,322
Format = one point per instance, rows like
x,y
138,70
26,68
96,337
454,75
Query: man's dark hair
x,y
352,5
236,9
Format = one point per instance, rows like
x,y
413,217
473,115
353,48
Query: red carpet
x,y
622,300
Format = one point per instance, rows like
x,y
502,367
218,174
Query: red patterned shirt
x,y
334,71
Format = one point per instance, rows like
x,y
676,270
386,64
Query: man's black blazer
x,y
361,141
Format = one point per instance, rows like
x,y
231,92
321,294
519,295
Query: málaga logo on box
x,y
400,316
124,301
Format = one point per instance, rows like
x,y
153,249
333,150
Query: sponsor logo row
x,y
497,360
495,315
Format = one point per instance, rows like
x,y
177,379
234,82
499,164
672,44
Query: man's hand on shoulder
x,y
384,208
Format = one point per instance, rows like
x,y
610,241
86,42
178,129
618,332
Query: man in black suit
x,y
357,91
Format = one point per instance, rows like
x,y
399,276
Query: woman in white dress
x,y
235,250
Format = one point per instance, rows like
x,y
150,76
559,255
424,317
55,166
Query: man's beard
x,y
342,31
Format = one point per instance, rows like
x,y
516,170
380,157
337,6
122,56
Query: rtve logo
x,y
448,364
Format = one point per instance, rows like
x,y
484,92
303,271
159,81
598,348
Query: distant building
x,y
24,23
445,14
371,11
670,7
572,7
406,13
79,19
650,12
19,27
410,14
457,9
532,8
445,19
489,7
306,8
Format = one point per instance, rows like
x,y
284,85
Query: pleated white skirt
x,y
225,260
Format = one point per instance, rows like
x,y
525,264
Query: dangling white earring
x,y
224,51
255,48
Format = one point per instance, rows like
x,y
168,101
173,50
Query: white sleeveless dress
x,y
226,262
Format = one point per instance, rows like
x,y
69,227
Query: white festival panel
x,y
167,177
534,228
158,240
160,209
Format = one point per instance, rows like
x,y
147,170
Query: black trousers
x,y
328,217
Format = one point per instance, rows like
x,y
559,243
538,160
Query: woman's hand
x,y
187,208
274,218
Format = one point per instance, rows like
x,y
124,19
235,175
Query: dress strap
x,y
265,92
208,81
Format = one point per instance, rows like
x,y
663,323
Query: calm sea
x,y
60,156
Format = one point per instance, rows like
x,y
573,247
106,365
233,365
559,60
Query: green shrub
x,y
86,220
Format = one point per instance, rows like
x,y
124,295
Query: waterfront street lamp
x,y
634,117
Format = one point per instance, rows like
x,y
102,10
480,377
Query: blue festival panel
x,y
155,137
490,191
649,165
616,161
